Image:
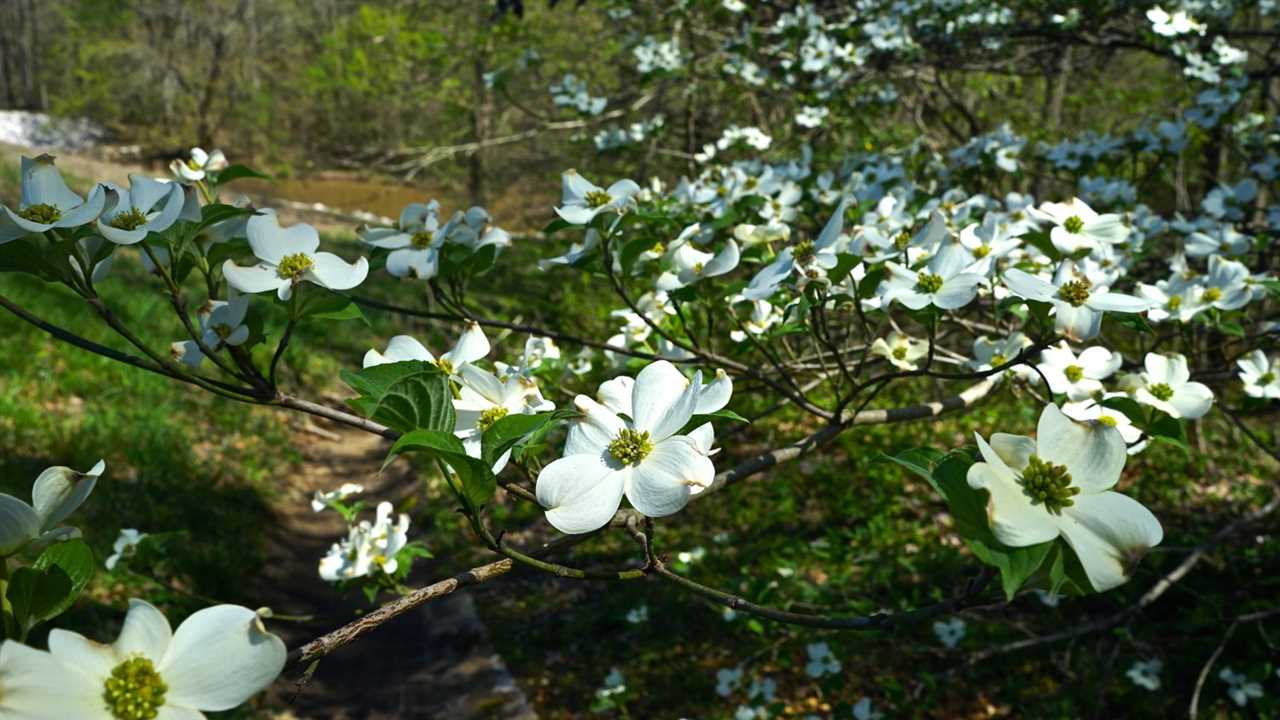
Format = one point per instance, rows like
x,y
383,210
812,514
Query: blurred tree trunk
x,y
482,106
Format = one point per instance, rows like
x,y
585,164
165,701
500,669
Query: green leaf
x,y
405,396
1231,328
237,171
1132,321
631,250
556,226
918,460
845,264
218,212
24,255
332,306
1040,240
1169,430
478,481
75,557
39,594
1130,407
508,431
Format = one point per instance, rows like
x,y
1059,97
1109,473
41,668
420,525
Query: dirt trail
x,y
435,662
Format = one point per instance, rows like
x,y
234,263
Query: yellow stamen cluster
x,y
1174,303
42,213
1048,484
1075,291
597,198
803,250
130,219
928,282
1074,373
631,446
135,691
1212,294
445,366
491,416
900,352
421,240
982,251
997,360
293,266
1161,391
1073,224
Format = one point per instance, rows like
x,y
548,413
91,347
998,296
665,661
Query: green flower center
x,y
1074,373
630,447
658,248
293,266
1174,303
445,366
1073,224
42,213
421,240
130,219
135,691
1213,294
1266,378
222,330
194,165
1048,484
1107,420
982,251
597,198
803,250
1075,291
997,360
900,353
1161,391
903,240
491,416
928,282
1225,247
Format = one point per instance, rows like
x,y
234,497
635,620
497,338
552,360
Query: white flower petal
x,y
58,491
253,279
1192,400
1094,453
660,485
1117,302
472,345
91,660
34,686
145,631
663,400
271,242
220,657
616,394
580,492
592,433
715,395
1014,520
1110,532
1014,450
19,524
1029,286
330,271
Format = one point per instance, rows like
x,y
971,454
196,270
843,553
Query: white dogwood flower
x,y
321,499
1076,227
949,632
416,240
1077,303
689,265
1078,377
902,351
216,659
28,678
146,206
1059,484
942,283
56,493
367,547
124,547
1259,375
988,353
45,202
581,201
470,347
809,260
1166,386
821,660
483,400
1145,674
196,167
642,457
289,256
221,324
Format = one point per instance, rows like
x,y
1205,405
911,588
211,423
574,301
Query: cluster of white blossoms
x,y
216,659
368,547
417,240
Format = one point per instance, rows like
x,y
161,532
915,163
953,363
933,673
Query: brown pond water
x,y
522,207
